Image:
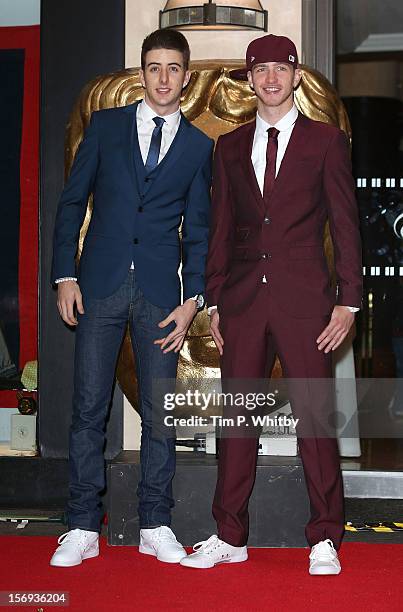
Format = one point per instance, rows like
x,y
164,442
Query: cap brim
x,y
239,75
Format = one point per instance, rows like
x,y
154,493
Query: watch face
x,y
200,301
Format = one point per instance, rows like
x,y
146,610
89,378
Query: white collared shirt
x,y
285,126
146,125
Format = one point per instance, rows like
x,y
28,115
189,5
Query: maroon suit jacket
x,y
282,238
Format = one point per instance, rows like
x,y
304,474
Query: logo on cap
x,y
252,59
291,58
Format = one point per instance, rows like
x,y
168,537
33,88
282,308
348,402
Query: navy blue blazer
x,y
136,216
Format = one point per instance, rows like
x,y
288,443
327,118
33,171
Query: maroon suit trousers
x,y
251,340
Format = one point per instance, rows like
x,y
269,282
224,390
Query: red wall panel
x,y
28,38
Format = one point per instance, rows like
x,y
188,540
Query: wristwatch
x,y
199,299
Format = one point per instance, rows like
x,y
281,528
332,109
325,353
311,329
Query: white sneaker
x,y
162,543
323,559
213,551
75,546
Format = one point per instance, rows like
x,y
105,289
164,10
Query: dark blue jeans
x,y
99,335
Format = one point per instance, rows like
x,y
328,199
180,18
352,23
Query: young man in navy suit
x,y
149,170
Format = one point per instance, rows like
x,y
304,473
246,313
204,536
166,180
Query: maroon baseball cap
x,y
268,48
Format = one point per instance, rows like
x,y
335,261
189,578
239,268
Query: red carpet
x,y
273,579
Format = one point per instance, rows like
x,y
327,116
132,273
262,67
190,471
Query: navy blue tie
x,y
155,145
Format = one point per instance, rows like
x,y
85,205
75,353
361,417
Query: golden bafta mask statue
x,y
216,104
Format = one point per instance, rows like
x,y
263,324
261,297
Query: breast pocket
x,y
241,234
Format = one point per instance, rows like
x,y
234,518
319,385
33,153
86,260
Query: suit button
x,y
140,209
266,220
266,256
147,179
135,241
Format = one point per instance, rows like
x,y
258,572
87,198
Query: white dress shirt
x,y
146,125
285,127
259,148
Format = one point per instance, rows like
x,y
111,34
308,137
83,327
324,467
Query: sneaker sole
x,y
90,555
325,571
146,550
239,559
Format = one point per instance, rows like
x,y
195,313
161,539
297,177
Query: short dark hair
x,y
166,39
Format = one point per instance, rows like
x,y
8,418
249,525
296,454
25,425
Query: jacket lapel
x,y
246,163
134,153
293,153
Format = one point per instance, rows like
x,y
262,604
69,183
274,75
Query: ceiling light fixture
x,y
227,15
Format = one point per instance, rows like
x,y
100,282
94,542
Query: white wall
x,y
283,18
19,12
5,423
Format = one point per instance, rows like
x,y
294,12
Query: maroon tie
x,y
271,154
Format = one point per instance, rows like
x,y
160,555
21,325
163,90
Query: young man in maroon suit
x,y
276,182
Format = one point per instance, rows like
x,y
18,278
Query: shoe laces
x,y
208,546
74,536
322,550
